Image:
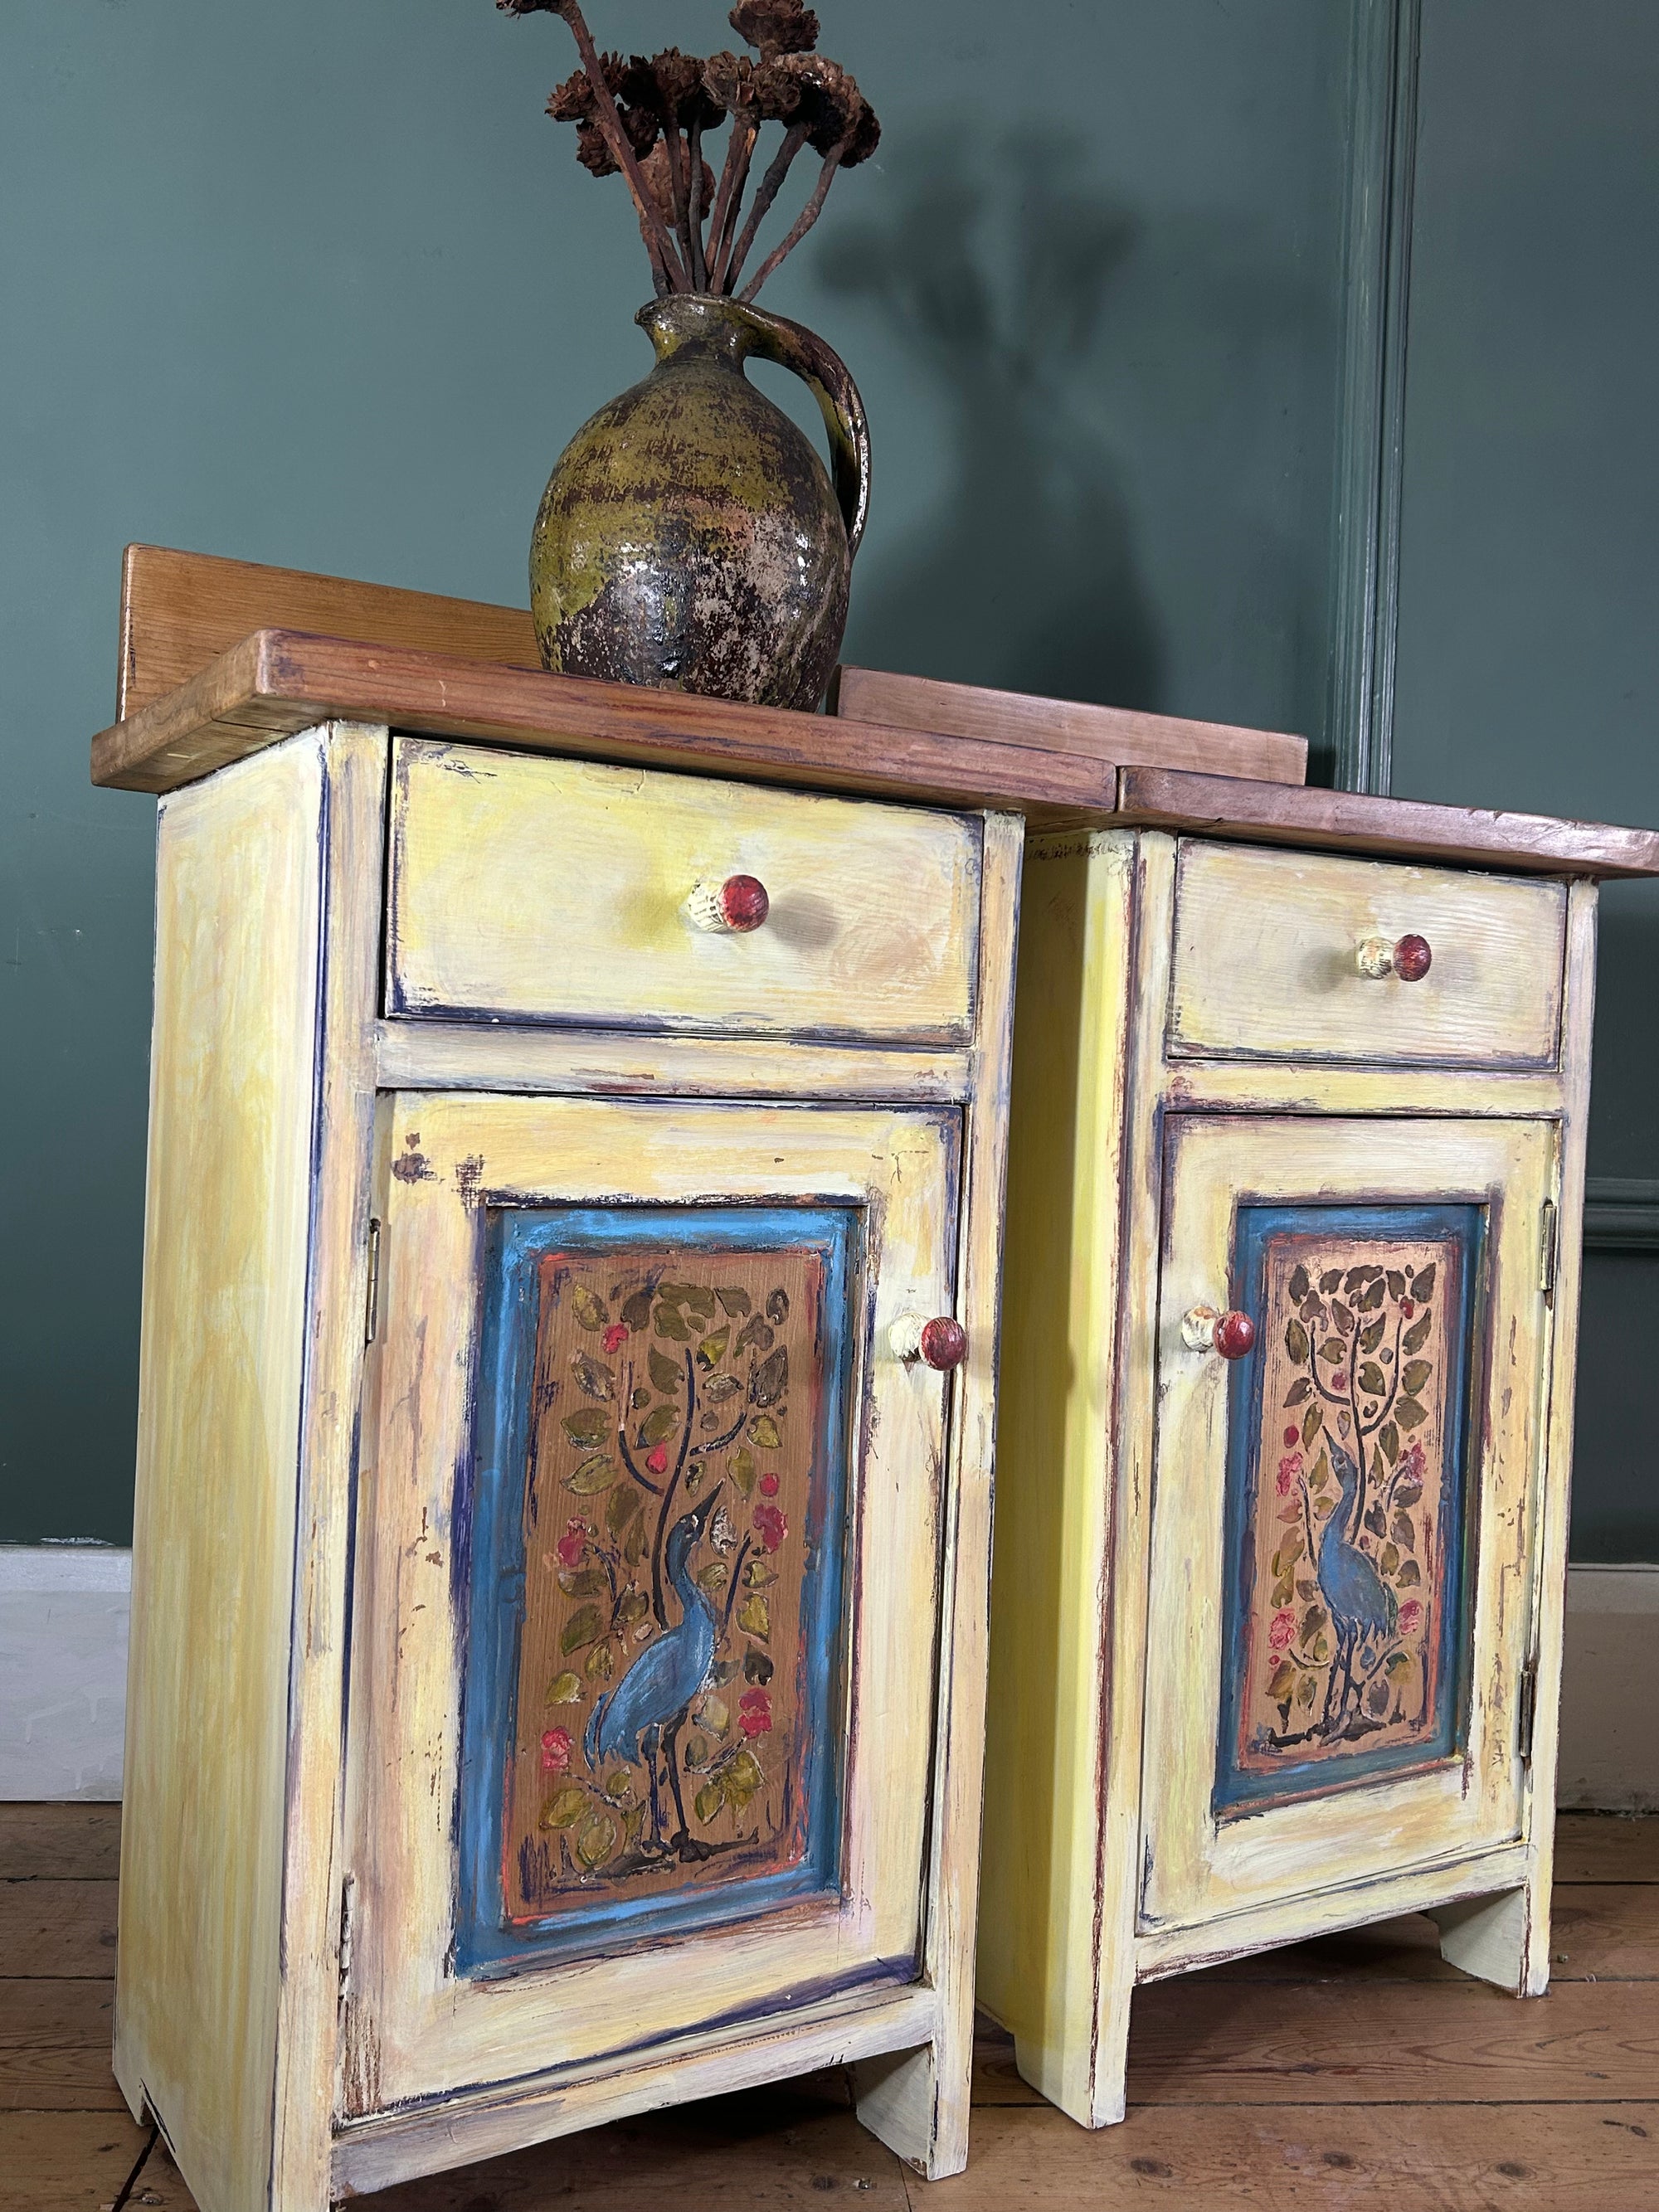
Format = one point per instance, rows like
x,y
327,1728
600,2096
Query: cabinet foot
x,y
903,2098
1503,1939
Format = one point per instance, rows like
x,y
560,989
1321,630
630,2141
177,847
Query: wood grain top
x,y
1072,725
219,657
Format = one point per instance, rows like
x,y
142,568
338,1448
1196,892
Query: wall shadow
x,y
1025,576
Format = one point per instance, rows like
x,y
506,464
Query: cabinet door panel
x,y
643,1674
1340,1604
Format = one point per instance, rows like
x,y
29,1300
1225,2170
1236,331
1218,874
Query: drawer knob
x,y
737,905
1410,959
1231,1335
940,1343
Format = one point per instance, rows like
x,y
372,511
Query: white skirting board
x,y
63,1649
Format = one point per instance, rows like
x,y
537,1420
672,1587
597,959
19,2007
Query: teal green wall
x,y
1528,642
316,283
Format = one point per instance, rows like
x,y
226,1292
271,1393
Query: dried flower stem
x,y
802,224
675,146
694,209
770,184
735,175
657,238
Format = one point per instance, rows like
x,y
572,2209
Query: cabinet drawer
x,y
526,889
1267,962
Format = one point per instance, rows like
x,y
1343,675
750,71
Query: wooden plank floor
x,y
1360,2073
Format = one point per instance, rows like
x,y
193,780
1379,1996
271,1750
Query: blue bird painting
x,y
644,1713
1364,1610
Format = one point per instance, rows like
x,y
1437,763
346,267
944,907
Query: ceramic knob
x,y
1410,959
737,905
1231,1335
940,1343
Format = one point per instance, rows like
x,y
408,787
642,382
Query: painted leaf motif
x,y
1312,1421
712,1349
756,1666
1413,1374
590,1310
634,1546
1372,1298
565,1810
756,1332
594,1376
1296,1341
601,1664
741,1779
757,1575
588,1424
658,1425
1298,1390
596,1841
1372,1378
617,1783
1284,1589
1410,1414
755,1618
666,1373
1410,1574
1372,1335
1288,1552
713,1576
641,1397
1332,1350
1377,1698
696,1753
1391,1558
1408,1493
699,1301
593,1475
765,1432
1423,1282
581,1582
771,1378
1396,1283
734,1302
583,1625
1299,1284
1312,1621
620,1507
1284,1675
1403,1533
1416,1335
1330,1281
636,1309
709,1799
668,1320
632,1607
565,1689
718,1388
715,1715
1389,1437
742,1464
777,1307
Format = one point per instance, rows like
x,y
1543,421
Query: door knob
x,y
731,908
940,1343
1231,1335
1410,959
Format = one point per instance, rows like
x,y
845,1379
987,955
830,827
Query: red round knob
x,y
943,1343
744,903
1413,959
1235,1336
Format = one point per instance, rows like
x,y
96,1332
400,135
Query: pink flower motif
x,y
1282,1631
1340,1380
616,1336
1407,1308
768,1486
657,1461
754,1713
1291,1434
1414,1462
770,1527
556,1750
1289,1467
573,1543
1410,1614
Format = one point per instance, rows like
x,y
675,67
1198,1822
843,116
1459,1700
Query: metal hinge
x,y
372,1298
1548,1242
348,1926
1526,1712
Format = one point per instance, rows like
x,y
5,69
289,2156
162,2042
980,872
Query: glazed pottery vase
x,y
690,537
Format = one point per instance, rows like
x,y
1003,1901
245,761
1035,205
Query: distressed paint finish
x,y
1267,962
221,1360
417,2029
1142,1143
578,915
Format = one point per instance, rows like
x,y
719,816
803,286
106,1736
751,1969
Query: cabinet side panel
x,y
221,1364
1038,1940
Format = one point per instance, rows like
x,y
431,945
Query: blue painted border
x,y
491,1508
1464,1227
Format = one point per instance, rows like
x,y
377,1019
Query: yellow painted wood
x,y
417,2030
1266,962
554,891
221,1359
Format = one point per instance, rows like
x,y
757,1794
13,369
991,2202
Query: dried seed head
x,y
729,81
654,169
777,94
593,152
775,27
536,7
832,104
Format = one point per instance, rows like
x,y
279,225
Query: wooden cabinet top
x,y
221,657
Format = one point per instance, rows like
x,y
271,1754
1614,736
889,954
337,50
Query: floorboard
x,y
1356,2074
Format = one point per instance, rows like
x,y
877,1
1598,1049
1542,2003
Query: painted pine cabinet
x,y
1297,1175
564,1477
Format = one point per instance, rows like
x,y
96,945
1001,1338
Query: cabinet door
x,y
1339,1599
648,1546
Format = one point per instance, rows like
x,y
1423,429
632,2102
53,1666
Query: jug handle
x,y
792,346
